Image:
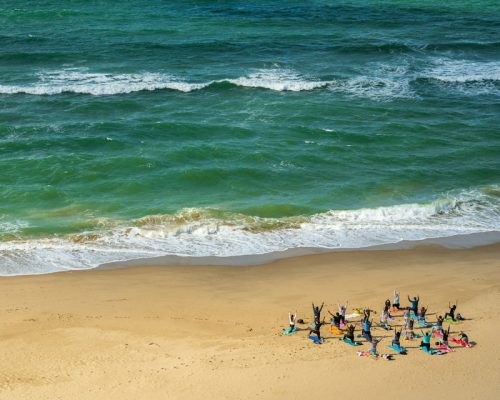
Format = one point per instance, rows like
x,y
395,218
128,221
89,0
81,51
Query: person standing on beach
x,y
291,320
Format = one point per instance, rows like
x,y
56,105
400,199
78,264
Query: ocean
x,y
146,128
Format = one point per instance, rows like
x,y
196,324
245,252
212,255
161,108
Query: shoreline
x,y
448,242
213,332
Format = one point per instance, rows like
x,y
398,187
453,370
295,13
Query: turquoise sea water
x,y
143,128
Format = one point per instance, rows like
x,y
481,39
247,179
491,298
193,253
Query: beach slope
x,y
214,332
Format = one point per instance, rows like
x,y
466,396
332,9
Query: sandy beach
x,y
213,332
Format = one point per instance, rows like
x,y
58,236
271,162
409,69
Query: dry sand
x,y
213,332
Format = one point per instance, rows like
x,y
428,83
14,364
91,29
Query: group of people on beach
x,y
411,314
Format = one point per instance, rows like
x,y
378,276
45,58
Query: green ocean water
x,y
147,128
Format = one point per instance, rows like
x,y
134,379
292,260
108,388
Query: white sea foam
x,y
11,227
201,232
463,71
278,80
99,84
469,78
378,81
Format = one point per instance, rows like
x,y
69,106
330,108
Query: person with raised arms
x,y
349,335
414,304
443,342
397,336
335,319
451,313
395,303
317,312
426,340
367,324
342,311
317,330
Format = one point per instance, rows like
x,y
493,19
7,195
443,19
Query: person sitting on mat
x,y
395,303
397,336
451,313
414,304
409,334
426,340
463,337
423,310
350,333
444,338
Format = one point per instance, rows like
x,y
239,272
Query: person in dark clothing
x,y
387,305
366,332
463,337
439,323
336,319
451,313
316,329
423,311
446,335
414,304
426,340
350,333
397,336
317,312
367,312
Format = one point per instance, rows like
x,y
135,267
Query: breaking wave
x,y
212,232
376,81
